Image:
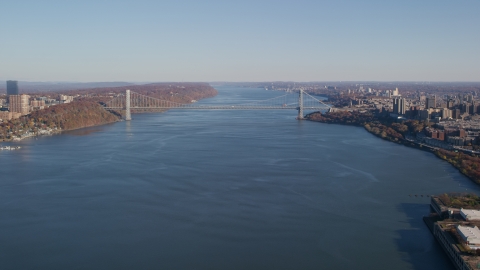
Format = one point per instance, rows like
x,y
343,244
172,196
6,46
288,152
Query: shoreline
x,y
54,132
57,131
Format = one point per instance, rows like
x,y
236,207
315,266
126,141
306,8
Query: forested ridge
x,y
177,92
78,114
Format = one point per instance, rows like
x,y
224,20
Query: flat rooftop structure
x,y
469,214
471,235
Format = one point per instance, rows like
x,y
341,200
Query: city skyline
x,y
212,41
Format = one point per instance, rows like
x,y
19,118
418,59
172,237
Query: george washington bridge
x,y
291,101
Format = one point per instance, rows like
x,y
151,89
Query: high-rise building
x,y
66,99
423,115
456,114
37,103
431,102
395,92
19,104
12,88
465,108
450,103
399,106
446,113
473,108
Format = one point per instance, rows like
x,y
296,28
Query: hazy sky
x,y
240,40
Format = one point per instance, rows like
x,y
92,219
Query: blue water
x,y
220,190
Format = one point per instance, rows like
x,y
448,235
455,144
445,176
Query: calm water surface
x,y
220,190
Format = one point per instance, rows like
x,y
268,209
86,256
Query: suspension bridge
x,y
290,101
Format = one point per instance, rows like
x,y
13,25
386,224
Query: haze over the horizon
x,y
248,40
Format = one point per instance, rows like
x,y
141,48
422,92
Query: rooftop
x,y
469,214
470,234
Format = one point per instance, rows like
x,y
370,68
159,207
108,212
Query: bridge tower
x,y
300,105
128,115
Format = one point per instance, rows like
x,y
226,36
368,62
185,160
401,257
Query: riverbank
x,y
386,128
89,112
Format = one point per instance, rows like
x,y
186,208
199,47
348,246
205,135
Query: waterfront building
x,y
435,133
12,88
459,249
449,245
455,140
19,104
437,206
452,132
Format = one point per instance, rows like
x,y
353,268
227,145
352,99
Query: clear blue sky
x,y
240,40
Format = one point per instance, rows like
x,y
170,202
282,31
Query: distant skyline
x,y
154,41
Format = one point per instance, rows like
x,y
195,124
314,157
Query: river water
x,y
220,190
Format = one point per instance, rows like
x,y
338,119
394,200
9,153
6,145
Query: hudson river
x,y
220,190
